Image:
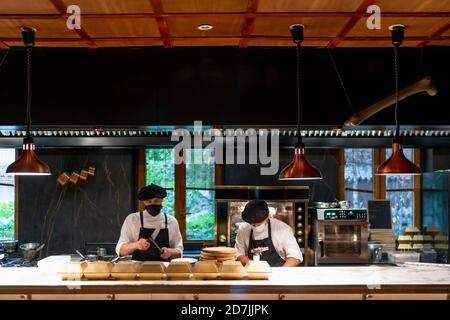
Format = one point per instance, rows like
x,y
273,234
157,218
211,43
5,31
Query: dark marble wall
x,y
326,160
64,217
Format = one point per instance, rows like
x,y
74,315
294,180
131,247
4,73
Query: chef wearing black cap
x,y
150,235
269,237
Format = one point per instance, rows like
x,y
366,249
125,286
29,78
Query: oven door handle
x,y
321,248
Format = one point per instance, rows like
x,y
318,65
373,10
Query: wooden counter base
x,y
365,282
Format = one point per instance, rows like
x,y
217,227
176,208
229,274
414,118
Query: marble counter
x,y
309,280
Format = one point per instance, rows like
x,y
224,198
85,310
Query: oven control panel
x,y
345,214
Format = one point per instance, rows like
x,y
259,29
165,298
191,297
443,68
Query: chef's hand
x,y
142,244
165,253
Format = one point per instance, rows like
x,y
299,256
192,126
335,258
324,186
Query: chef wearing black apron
x,y
150,235
270,238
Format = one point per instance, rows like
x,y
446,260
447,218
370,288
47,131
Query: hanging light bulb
x,y
299,168
397,164
28,163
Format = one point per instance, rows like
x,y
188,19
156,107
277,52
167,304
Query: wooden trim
x,y
16,203
379,181
162,23
247,28
3,45
180,197
341,174
435,34
360,12
118,16
218,174
142,172
417,192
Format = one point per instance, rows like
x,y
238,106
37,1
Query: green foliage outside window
x,y
200,211
7,220
160,170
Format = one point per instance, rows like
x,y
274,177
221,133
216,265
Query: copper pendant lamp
x,y
28,163
299,168
397,164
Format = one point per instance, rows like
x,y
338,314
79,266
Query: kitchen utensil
x,y
192,261
9,246
101,252
375,252
116,259
31,250
156,245
81,255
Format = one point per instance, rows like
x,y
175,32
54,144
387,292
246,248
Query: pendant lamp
x,y
397,164
28,163
299,168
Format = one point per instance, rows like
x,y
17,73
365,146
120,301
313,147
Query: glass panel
x,y
279,210
342,240
402,201
200,211
160,169
358,176
7,195
200,217
435,201
402,208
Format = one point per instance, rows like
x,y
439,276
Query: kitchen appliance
x,y
286,203
340,235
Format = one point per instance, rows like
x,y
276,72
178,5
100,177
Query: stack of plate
x,y
219,254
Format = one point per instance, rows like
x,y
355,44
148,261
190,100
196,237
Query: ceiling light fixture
x,y
397,164
299,168
204,27
28,163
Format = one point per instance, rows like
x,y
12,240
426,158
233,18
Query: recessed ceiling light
x,y
204,27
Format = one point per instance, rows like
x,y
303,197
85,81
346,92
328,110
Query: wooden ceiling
x,y
243,23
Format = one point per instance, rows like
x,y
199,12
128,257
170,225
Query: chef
x,y
270,238
150,235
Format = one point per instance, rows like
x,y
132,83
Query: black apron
x,y
152,253
271,256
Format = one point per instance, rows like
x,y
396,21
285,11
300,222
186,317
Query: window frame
x,y
379,187
180,194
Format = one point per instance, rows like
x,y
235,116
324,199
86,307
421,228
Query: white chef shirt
x,y
282,237
132,225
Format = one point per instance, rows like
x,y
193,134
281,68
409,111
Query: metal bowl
x,y
8,246
30,251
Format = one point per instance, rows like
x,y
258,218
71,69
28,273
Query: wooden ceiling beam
x,y
247,27
433,36
263,38
114,16
61,7
162,22
3,45
360,12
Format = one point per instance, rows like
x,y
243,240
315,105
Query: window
x,y
358,176
200,216
7,195
194,185
160,170
400,191
359,184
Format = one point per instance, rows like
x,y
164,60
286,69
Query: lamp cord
x,y
299,132
340,80
397,123
29,93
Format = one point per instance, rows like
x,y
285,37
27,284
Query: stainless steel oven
x,y
340,236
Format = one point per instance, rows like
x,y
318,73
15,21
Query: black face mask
x,y
153,209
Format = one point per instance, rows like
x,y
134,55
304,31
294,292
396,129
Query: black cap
x,y
152,191
255,211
